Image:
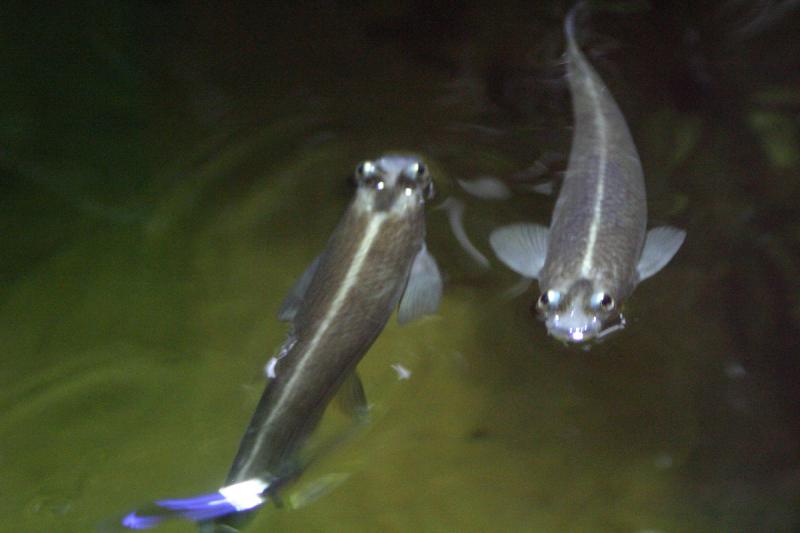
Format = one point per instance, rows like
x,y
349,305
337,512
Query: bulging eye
x,y
367,174
365,169
549,300
416,171
602,300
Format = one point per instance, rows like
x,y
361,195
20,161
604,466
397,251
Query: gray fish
x,y
375,260
597,248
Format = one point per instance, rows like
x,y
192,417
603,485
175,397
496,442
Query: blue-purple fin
x,y
239,497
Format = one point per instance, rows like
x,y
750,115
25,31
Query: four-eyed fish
x,y
597,248
375,260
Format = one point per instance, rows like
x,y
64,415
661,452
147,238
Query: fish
x,y
376,260
597,248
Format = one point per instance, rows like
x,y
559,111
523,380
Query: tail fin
x,y
234,498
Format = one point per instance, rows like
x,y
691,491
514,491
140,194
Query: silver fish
x,y
597,248
375,261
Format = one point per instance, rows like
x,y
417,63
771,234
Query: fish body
x,y
597,248
375,261
356,284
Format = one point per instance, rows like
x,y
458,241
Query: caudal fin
x,y
235,498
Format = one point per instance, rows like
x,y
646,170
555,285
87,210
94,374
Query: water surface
x,y
168,169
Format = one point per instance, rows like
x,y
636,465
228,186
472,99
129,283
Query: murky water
x,y
169,169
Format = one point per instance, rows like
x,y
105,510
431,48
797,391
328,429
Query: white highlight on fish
x,y
246,494
269,369
597,248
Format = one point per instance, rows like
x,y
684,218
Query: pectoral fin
x,y
312,490
522,247
292,301
424,289
352,398
660,245
455,215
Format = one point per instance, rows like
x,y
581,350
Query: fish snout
x,y
578,326
574,325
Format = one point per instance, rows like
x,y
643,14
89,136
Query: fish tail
x,y
230,499
569,21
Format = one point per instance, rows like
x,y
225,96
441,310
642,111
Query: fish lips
x,y
576,326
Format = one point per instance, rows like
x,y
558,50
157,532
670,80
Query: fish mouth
x,y
573,335
573,326
577,327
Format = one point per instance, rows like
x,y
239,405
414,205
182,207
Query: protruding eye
x,y
365,169
549,300
416,171
367,174
602,300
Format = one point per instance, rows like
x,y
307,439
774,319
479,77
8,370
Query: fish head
x,y
579,312
394,183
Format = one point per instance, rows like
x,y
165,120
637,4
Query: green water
x,y
168,169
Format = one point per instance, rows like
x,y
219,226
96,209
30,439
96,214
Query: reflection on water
x,y
168,170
